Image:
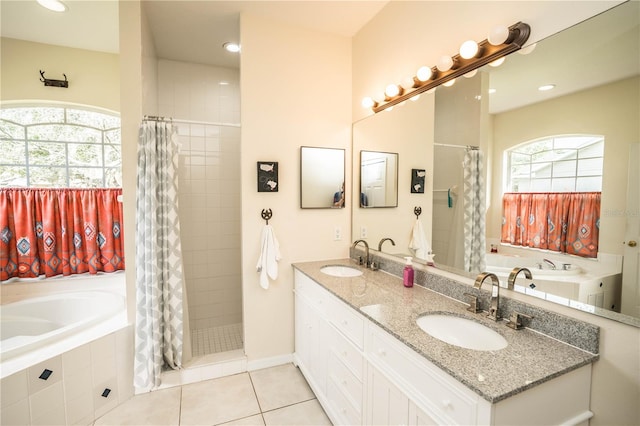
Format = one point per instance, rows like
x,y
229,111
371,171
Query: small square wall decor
x,y
417,181
267,176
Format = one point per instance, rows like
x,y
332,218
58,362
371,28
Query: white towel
x,y
269,257
419,241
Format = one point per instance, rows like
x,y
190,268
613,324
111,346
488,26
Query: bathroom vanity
x,y
359,345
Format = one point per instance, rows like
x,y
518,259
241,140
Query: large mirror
x,y
595,67
378,179
322,178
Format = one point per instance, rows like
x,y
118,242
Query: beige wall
x,y
295,90
611,110
406,35
94,77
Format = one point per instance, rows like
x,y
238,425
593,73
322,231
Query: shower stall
x,y
204,102
209,197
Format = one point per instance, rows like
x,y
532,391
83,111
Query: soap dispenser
x,y
407,273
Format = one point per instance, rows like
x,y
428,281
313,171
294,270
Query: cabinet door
x,y
419,417
310,351
386,404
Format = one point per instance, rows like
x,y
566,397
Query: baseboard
x,y
261,363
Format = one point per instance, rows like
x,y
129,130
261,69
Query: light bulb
x,y
407,83
526,50
497,62
378,97
54,5
471,74
445,63
469,49
368,102
449,83
424,74
392,90
498,35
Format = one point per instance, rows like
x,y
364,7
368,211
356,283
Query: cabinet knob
x,y
447,403
344,354
381,352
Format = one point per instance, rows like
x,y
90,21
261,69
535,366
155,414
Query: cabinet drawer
x,y
341,406
440,394
345,380
349,322
346,352
312,292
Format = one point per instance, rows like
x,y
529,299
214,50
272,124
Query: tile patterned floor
x,y
272,396
216,339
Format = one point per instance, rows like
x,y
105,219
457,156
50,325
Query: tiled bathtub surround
x,y
529,359
566,329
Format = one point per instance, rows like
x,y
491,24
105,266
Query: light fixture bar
x,y
518,36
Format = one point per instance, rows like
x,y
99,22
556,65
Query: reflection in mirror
x,y
603,101
322,178
378,179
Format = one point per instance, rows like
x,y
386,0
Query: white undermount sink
x,y
461,332
340,271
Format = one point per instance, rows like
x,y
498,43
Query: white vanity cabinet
x,y
362,375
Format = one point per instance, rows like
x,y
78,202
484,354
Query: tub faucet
x,y
366,250
393,243
550,263
495,293
513,275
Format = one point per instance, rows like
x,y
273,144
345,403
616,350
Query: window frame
x,y
576,158
104,144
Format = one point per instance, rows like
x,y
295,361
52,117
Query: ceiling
x,y
191,31
194,31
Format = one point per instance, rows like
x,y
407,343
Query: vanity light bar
x,y
487,53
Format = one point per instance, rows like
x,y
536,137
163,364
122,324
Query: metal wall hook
x,y
54,83
417,211
266,214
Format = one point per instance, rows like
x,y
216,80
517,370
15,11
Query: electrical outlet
x,y
363,232
337,233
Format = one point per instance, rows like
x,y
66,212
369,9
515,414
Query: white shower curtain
x,y
159,273
474,212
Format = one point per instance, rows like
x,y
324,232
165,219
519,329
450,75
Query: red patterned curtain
x,y
60,232
567,222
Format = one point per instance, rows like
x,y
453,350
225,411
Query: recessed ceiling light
x,y
546,87
231,47
54,5
491,91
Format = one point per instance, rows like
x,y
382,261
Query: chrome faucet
x,y
366,250
514,274
495,293
550,263
393,243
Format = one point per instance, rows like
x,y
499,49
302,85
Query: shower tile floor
x,y
216,339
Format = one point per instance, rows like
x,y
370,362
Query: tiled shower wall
x,y
209,192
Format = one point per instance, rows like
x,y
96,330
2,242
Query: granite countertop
x,y
530,358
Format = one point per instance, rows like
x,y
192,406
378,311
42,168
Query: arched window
x,y
552,194
565,163
62,165
59,146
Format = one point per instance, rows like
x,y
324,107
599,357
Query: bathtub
x,y
40,319
575,282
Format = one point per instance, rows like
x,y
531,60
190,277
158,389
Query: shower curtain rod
x,y
473,148
178,120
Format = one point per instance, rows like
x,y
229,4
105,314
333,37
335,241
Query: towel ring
x,y
267,214
417,211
